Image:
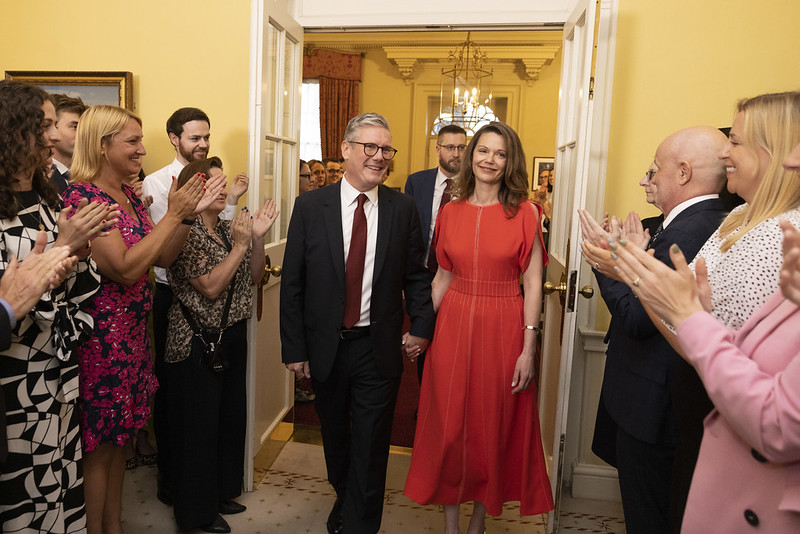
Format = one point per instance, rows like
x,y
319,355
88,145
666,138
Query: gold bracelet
x,y
531,327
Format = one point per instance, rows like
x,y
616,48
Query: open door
x,y
581,143
274,133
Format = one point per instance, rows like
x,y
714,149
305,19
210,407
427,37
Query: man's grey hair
x,y
365,119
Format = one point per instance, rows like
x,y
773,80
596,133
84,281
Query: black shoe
x,y
335,518
165,496
228,507
218,525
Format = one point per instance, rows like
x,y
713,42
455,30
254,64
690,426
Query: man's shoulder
x,y
423,175
163,175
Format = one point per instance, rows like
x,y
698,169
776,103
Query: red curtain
x,y
339,75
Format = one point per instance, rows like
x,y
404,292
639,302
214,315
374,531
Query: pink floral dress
x,y
115,365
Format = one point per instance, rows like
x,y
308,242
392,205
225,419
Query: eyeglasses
x,y
453,148
305,175
370,149
649,174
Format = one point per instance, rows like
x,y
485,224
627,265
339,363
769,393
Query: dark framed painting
x,y
542,170
93,87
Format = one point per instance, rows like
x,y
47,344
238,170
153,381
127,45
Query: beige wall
x,y
181,52
682,63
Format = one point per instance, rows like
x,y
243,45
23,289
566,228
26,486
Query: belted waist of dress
x,y
491,288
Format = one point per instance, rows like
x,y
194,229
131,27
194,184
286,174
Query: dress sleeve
x,y
532,232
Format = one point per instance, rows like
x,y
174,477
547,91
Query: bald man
x,y
649,421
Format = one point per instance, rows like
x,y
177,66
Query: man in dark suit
x,y
342,314
68,112
649,421
430,190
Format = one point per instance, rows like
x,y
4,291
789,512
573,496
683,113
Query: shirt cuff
x,y
228,213
11,317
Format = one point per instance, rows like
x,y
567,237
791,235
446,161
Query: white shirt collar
x,y
60,166
683,205
350,193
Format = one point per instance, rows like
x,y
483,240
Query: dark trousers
x,y
162,300
645,479
355,405
207,418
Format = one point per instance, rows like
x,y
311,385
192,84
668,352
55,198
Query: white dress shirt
x,y
438,190
349,194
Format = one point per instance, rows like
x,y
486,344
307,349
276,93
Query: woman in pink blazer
x,y
747,477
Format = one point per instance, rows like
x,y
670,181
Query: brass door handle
x,y
586,292
549,288
270,270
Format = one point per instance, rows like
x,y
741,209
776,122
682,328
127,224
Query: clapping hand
x,y
238,188
23,283
242,228
183,202
633,232
264,218
89,220
214,185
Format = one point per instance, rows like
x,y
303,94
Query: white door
x,y
274,133
581,143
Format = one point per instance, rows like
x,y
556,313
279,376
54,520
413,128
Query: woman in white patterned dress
x,y
41,487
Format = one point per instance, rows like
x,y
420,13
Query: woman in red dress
x,y
478,435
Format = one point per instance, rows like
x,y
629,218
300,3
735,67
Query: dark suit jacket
x,y
59,180
313,283
420,186
640,364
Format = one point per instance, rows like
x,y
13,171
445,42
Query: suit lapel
x,y
385,217
429,187
332,215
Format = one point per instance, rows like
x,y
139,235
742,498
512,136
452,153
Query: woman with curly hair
x,y
478,435
41,487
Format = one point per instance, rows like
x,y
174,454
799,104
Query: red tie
x,y
354,270
433,265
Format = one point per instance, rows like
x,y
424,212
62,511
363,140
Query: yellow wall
x,y
181,52
682,63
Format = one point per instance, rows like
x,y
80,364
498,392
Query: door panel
x,y
581,142
277,40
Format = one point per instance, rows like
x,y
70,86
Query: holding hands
x,y
413,346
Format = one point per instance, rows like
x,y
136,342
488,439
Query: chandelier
x,y
466,89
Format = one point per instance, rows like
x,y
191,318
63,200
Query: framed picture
x,y
110,88
542,170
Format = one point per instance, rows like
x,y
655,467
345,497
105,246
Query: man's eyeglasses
x,y
370,149
305,175
453,148
649,174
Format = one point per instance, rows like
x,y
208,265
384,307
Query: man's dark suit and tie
x,y
355,360
430,190
649,422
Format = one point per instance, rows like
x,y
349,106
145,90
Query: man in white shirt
x,y
189,132
68,112
428,190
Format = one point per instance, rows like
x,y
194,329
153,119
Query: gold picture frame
x,y
93,87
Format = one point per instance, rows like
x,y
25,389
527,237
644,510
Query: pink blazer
x,y
748,470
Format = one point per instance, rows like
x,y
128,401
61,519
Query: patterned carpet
x,y
294,496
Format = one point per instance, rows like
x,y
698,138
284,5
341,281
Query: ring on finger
x,y
636,282
596,265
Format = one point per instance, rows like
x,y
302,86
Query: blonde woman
x,y
743,256
116,374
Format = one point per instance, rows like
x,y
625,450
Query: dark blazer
x,y
313,283
420,186
59,180
5,343
640,363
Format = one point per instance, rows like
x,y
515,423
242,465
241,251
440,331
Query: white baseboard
x,y
597,482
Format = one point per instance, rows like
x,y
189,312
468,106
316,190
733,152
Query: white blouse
x,y
744,277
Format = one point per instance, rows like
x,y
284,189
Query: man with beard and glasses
x,y
189,132
430,190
